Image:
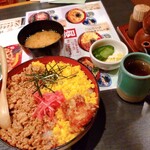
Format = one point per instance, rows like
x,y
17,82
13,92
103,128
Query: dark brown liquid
x,y
137,67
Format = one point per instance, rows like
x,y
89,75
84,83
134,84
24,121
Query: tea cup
x,y
133,83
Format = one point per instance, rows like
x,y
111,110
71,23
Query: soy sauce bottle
x,y
142,37
136,19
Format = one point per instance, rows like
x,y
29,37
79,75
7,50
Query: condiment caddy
x,y
133,33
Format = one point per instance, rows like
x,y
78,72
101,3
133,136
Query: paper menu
x,y
96,20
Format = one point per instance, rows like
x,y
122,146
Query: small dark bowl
x,y
32,28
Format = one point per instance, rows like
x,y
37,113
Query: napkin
x,y
63,1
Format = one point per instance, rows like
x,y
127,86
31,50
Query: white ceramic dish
x,y
119,47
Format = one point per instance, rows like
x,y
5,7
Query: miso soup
x,y
42,39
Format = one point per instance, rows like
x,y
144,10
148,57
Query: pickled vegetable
x,y
103,52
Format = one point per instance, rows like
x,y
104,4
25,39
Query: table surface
x,y
119,125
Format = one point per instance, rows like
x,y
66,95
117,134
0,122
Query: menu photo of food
x,y
46,14
90,19
76,15
39,16
88,63
13,56
86,39
103,78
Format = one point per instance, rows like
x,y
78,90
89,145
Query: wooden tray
x,y
123,31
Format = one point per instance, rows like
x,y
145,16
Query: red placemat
x,y
123,31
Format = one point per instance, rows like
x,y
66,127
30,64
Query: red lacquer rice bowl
x,y
50,118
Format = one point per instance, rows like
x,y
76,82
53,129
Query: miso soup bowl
x,y
54,49
119,47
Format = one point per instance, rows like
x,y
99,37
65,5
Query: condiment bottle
x,y
136,18
142,37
